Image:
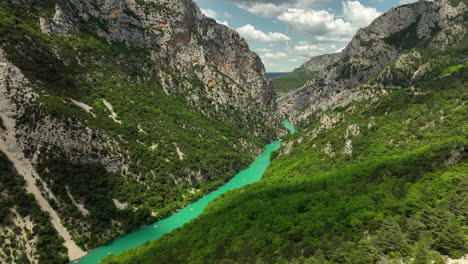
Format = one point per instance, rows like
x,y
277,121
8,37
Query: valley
x,y
156,230
149,131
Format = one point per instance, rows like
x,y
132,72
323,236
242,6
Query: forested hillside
x,y
399,190
119,113
378,171
291,80
301,75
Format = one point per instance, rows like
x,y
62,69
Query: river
x,y
156,230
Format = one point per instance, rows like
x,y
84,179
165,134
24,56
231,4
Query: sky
x,y
287,33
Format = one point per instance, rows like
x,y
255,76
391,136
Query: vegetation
x,y
292,80
176,151
457,2
398,192
401,193
16,202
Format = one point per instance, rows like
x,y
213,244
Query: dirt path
x,y
26,169
9,145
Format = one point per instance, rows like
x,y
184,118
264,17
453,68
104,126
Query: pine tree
x,y
421,256
389,238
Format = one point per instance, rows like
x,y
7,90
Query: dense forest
x,y
400,192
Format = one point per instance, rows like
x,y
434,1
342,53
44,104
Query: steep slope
x,y
378,172
25,229
387,42
299,77
355,187
319,63
117,113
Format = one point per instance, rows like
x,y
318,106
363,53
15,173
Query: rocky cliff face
x,y
381,52
380,152
116,113
180,37
319,63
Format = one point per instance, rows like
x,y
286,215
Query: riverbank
x,y
156,230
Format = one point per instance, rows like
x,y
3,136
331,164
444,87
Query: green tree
x,y
389,238
365,253
421,255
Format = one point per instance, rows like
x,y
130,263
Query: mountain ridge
x,y
377,172
124,112
370,50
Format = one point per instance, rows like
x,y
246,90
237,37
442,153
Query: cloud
x,y
209,12
310,50
264,50
323,25
213,14
263,9
404,2
276,55
249,32
358,14
223,23
280,2
318,25
273,8
325,30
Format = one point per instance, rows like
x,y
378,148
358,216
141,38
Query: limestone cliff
x,y
179,37
119,112
384,54
319,63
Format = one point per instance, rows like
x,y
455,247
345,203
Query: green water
x,y
289,126
156,230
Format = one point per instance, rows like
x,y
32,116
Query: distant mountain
x,y
319,63
270,75
289,81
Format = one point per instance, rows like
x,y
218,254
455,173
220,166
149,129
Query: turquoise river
x,y
156,230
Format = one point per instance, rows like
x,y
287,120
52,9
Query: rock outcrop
x,y
180,37
383,48
319,63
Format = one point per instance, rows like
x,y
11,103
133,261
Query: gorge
x,y
128,127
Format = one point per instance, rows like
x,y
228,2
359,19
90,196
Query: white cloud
x,y
264,50
276,55
263,9
249,32
310,50
293,60
273,8
209,12
323,25
213,14
359,15
319,25
325,31
339,50
223,23
404,2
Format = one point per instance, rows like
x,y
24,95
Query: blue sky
x,y
286,33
